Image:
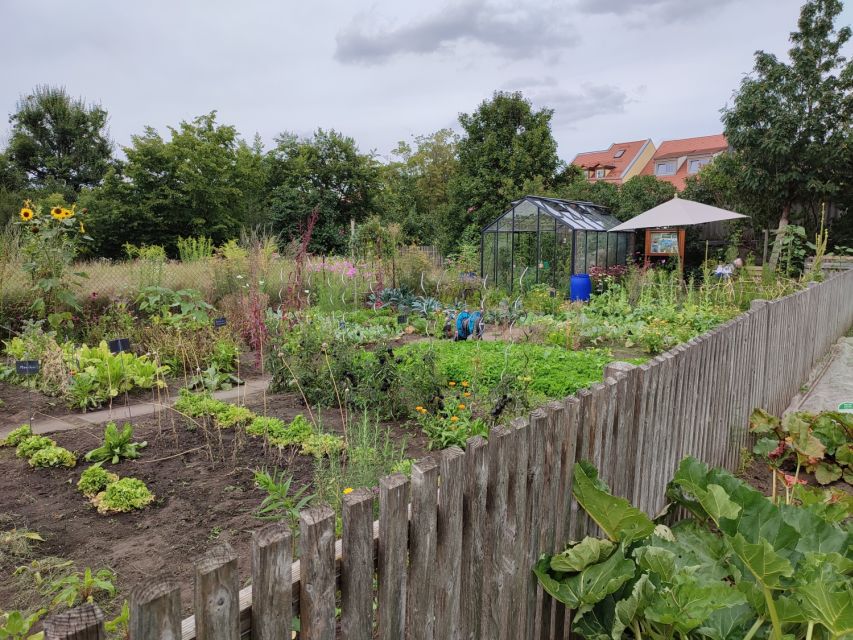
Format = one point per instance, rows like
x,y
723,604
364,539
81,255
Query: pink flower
x,y
351,272
790,480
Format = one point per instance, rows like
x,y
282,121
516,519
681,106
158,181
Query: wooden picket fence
x,y
451,553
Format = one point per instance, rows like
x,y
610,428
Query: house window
x,y
666,168
619,153
599,173
695,165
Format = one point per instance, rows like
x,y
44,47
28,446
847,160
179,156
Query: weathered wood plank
x,y
155,610
317,588
423,537
272,562
449,552
357,563
534,522
474,524
85,622
393,544
216,598
496,592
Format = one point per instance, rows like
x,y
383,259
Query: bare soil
x,y
203,482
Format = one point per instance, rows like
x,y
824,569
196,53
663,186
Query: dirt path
x,y
831,382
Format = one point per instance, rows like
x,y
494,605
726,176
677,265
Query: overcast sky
x,y
383,71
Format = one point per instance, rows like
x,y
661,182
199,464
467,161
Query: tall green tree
x,y
641,193
325,171
790,120
59,142
505,144
414,185
200,181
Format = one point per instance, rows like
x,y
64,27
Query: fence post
x,y
217,595
155,610
474,522
449,538
420,605
272,583
85,622
357,566
317,583
393,546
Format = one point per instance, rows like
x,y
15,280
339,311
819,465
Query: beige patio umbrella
x,y
677,213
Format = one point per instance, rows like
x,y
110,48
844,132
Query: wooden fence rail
x,y
452,550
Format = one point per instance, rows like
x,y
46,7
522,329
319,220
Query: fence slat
x,y
155,610
357,566
85,622
272,559
420,605
216,598
533,517
317,587
496,593
473,536
449,554
393,532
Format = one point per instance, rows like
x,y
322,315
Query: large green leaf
x,y
731,623
830,605
763,562
632,607
619,520
657,560
591,585
690,601
577,558
830,431
762,422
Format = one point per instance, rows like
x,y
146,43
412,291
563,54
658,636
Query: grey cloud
x,y
514,31
572,106
638,12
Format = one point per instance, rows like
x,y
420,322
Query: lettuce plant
x,y
16,436
53,456
28,446
94,480
126,494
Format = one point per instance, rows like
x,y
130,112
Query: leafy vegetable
x,y
126,494
94,480
116,445
53,456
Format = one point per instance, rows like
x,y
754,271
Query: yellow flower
x,y
461,406
347,491
27,214
419,408
454,419
82,228
56,213
451,384
467,394
464,383
67,213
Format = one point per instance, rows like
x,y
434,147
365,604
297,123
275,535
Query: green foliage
x,y
117,445
453,422
82,586
27,447
505,144
195,249
59,142
16,436
641,193
281,502
94,480
743,568
322,445
52,456
15,625
125,494
224,414
185,308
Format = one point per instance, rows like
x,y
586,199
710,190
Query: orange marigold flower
x,y
451,384
464,383
467,394
347,491
454,419
460,406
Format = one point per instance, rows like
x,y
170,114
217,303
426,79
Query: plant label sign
x,y
119,344
26,367
219,322
845,407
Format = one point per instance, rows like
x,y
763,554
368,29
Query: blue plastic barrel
x,y
581,287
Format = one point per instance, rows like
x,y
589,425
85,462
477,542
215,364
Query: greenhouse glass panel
x,y
601,254
622,250
580,252
489,243
591,250
526,217
547,248
503,276
524,271
563,258
612,240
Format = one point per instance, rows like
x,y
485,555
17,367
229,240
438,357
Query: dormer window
x,y
619,153
694,165
599,173
665,168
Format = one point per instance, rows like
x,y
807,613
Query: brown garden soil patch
x,y
203,497
18,403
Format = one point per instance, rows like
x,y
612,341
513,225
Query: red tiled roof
x,y
703,145
607,159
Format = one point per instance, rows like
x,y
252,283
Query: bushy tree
x,y
641,193
201,181
60,143
505,144
790,121
326,171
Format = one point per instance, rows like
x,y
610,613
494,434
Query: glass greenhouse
x,y
546,240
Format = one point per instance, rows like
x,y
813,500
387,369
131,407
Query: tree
x,y
641,193
790,121
59,142
199,182
505,144
414,186
325,171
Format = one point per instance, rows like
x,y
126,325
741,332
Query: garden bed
x,y
204,496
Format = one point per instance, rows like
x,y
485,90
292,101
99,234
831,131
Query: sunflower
x,y
26,214
67,213
56,213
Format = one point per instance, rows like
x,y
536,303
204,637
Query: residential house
x,y
617,164
675,160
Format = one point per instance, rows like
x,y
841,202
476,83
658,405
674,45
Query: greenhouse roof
x,y
582,216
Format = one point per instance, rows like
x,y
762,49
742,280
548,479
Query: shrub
x,y
265,426
126,494
53,456
321,445
296,432
16,436
94,480
30,445
232,415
